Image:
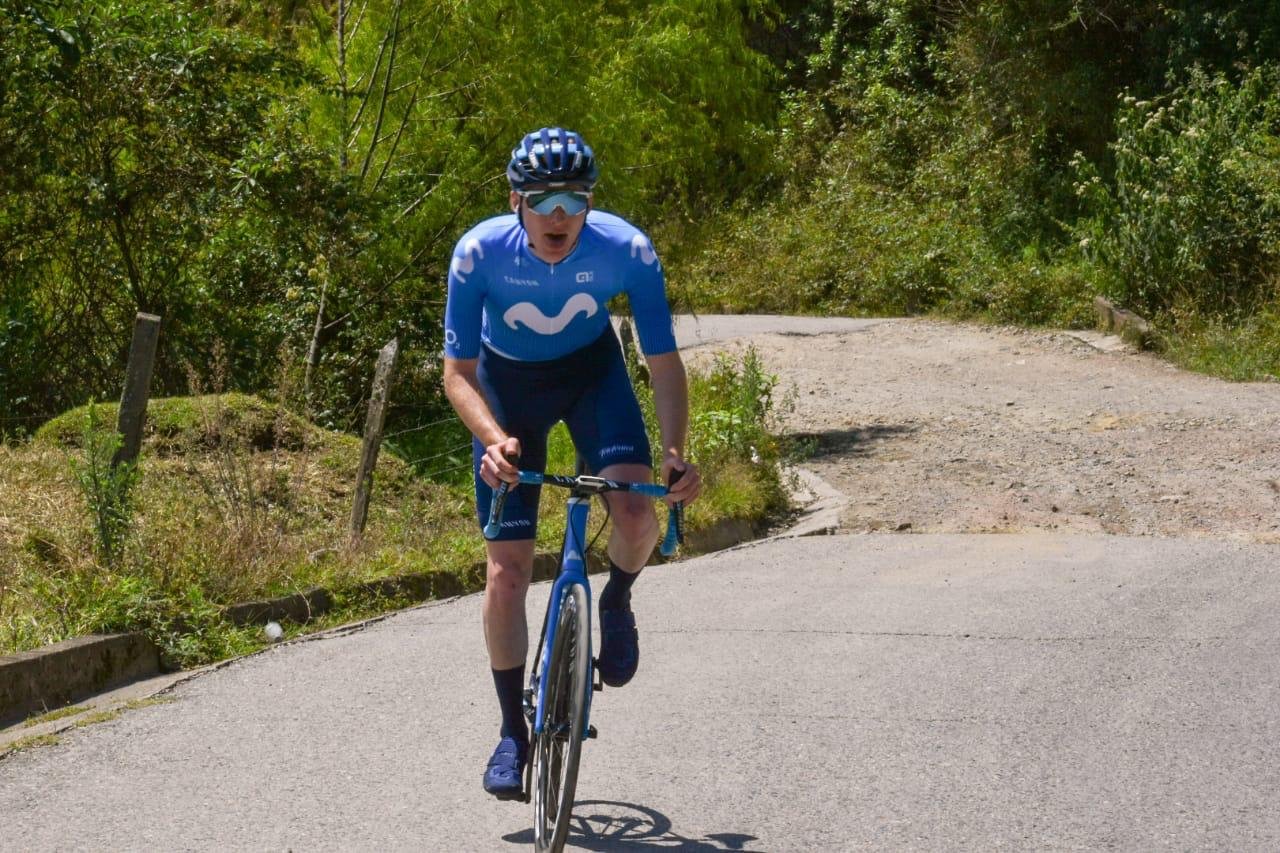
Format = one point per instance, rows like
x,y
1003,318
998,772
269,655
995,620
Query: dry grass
x,y
237,500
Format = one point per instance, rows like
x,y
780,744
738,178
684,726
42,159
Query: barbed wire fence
x,y
456,449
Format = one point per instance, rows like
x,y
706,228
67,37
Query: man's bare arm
x,y
671,404
462,387
671,400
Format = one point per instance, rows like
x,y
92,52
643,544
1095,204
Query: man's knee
x,y
634,519
510,567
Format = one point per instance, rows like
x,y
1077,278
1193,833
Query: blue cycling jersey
x,y
526,309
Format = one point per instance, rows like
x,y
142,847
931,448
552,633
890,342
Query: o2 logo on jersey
x,y
585,277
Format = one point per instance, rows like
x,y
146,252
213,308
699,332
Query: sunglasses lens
x,y
572,203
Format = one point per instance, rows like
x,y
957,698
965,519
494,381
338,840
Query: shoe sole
x,y
507,795
614,682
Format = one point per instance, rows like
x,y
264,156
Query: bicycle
x,y
558,699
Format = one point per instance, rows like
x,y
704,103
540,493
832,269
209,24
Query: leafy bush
x,y
1192,216
733,411
122,130
733,408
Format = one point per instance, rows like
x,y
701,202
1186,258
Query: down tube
x,y
573,569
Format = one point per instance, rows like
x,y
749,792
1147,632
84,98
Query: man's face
x,y
553,235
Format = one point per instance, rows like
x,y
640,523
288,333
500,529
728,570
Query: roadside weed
x,y
107,487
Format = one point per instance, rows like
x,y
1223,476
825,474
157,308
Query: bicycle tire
x,y
557,750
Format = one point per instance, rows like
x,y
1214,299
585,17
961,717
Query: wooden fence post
x,y
137,387
373,435
631,352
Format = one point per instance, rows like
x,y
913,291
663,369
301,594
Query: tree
x,y
124,136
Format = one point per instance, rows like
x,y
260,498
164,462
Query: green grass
x,y
54,715
32,742
238,500
97,717
1245,349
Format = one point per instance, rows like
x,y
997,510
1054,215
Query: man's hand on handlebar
x,y
497,465
687,488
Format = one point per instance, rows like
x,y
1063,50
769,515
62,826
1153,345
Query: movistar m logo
x,y
642,247
465,265
529,315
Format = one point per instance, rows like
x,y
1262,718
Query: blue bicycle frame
x,y
573,570
573,566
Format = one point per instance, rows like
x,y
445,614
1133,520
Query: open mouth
x,y
556,240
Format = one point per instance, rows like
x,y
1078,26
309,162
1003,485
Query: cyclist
x,y
528,342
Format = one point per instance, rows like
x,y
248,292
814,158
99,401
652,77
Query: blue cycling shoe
x,y
619,647
504,776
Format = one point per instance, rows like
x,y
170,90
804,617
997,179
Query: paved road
x,y
880,692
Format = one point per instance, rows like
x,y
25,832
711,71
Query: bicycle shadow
x,y
607,825
853,441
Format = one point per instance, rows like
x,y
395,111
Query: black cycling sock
x,y
510,686
617,592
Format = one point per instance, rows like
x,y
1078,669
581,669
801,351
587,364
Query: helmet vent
x,y
552,155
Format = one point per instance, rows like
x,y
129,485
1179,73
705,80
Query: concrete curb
x,y
1126,324
46,679
822,503
299,607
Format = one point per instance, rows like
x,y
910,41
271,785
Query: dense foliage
x,y
283,181
286,180
1013,159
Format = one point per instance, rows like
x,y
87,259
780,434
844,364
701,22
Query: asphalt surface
x,y
881,692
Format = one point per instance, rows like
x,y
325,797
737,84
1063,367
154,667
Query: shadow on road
x,y
606,826
854,441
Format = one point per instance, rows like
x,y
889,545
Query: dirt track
x,y
937,427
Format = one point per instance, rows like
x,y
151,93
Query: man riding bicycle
x,y
528,342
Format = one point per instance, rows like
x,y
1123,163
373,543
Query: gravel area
x,y
938,427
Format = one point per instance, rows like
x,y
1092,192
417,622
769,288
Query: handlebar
x,y
585,484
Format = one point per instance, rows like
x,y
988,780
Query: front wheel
x,y
557,749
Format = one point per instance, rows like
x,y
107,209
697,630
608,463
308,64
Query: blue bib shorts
x,y
588,389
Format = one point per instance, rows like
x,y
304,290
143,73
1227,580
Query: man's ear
x,y
515,201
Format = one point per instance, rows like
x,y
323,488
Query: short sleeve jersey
x,y
524,308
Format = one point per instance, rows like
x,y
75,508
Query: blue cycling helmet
x,y
552,156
